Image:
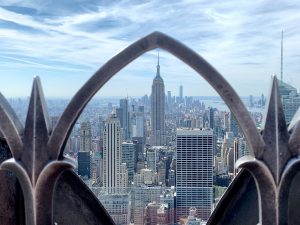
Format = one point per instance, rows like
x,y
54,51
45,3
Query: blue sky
x,y
65,42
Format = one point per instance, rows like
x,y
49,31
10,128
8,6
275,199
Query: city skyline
x,y
238,40
170,156
200,152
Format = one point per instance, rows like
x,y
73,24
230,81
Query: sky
x,y
65,42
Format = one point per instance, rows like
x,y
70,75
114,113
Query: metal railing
x,y
43,188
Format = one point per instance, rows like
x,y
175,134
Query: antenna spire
x,y
158,66
281,68
158,57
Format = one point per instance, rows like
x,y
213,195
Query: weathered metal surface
x,y
239,204
40,167
77,202
293,199
12,206
33,166
276,170
12,127
275,134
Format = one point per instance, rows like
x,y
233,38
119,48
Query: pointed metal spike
x,y
275,133
41,100
36,133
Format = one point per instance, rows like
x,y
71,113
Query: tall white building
x,y
158,110
194,172
115,175
112,155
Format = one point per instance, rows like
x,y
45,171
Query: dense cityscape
x,y
160,159
127,112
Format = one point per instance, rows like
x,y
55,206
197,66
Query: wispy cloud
x,y
242,40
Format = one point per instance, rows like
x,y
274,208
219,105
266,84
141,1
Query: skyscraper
x,y
243,149
181,93
211,118
128,157
151,159
125,118
251,102
194,172
226,121
140,124
139,150
290,100
85,137
115,174
112,155
289,96
169,100
84,154
84,164
158,109
101,127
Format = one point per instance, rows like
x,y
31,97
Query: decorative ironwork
x,y
43,172
274,171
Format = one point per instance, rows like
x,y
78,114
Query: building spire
x,y
281,58
158,57
158,66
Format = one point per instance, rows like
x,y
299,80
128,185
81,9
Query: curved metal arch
x,y
66,122
266,187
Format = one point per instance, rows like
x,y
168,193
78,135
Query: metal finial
x,y
275,133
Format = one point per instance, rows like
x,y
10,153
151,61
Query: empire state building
x,y
158,109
